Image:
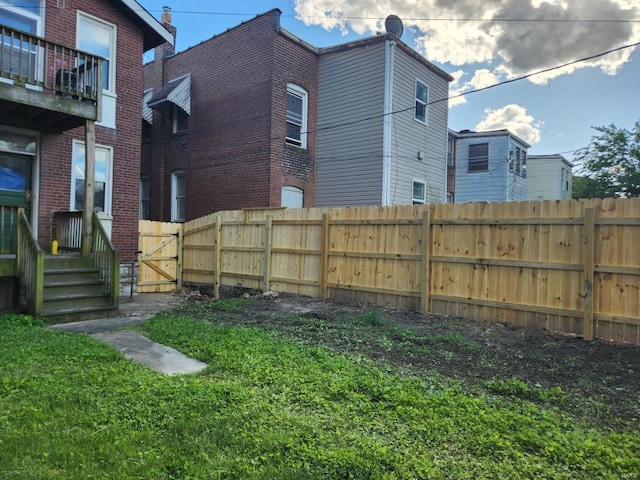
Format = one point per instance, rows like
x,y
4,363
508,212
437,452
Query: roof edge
x,y
154,25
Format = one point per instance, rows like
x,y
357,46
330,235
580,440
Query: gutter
x,y
387,122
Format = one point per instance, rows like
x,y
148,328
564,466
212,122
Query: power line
x,y
416,19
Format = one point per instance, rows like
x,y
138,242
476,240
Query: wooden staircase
x,y
73,290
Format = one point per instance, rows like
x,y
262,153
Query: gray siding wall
x,y
495,185
408,136
350,127
544,179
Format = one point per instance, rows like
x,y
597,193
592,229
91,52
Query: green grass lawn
x,y
268,407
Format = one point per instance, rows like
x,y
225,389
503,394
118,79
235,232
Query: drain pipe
x,y
388,119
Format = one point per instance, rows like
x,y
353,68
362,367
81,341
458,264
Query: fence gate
x,y
159,253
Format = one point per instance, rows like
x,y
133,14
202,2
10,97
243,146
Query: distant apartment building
x,y
490,166
549,177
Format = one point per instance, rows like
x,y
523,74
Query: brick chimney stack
x,y
166,50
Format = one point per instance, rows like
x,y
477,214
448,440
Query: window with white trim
x,y
478,158
145,190
103,177
99,37
178,196
297,106
18,57
419,193
422,99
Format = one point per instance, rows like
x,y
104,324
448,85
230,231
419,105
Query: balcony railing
x,y
32,61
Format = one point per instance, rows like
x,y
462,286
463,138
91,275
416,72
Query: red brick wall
x,y
55,166
234,149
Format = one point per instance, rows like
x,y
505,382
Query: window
x,y
292,197
422,98
296,116
99,37
18,57
523,164
178,119
102,179
419,194
178,196
479,157
451,145
145,188
517,162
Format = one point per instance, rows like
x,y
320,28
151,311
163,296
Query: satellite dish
x,y
393,25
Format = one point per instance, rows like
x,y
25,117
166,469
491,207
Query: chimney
x,y
166,50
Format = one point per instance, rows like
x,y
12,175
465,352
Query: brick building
x,y
71,76
226,121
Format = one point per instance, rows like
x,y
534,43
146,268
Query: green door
x,y
15,191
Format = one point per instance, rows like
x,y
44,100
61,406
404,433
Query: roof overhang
x,y
154,32
177,92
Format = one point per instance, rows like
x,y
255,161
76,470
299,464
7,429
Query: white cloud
x,y
515,119
482,78
448,30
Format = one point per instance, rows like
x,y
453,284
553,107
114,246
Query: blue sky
x,y
480,43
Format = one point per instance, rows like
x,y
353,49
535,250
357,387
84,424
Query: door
x,y
15,191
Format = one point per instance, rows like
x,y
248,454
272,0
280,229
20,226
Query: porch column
x,y
89,189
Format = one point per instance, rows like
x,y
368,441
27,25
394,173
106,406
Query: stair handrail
x,y
106,259
30,265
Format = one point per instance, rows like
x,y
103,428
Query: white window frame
x,y
419,102
145,192
113,35
177,216
78,150
25,12
300,92
418,200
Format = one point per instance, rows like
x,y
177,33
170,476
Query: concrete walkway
x,y
134,346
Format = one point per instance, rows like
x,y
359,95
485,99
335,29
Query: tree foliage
x,y
611,164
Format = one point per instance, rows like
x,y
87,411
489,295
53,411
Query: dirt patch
x,y
593,381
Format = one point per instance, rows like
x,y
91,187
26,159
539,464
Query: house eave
x,y
155,33
381,38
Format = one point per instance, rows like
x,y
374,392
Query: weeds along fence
x,y
566,266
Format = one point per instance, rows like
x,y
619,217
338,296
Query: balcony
x,y
46,86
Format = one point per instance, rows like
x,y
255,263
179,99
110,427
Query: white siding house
x,y
490,167
379,141
549,177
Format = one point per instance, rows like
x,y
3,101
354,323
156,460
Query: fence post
x,y
268,236
217,260
324,257
179,255
424,265
589,252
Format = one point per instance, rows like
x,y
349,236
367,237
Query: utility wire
x,y
416,19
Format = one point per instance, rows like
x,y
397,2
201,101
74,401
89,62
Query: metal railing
x,y
30,60
8,229
107,259
30,258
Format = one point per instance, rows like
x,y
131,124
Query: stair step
x,y
78,313
62,294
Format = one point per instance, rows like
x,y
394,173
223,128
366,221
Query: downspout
x,y
388,119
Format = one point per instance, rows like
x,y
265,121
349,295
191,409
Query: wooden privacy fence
x,y
567,266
